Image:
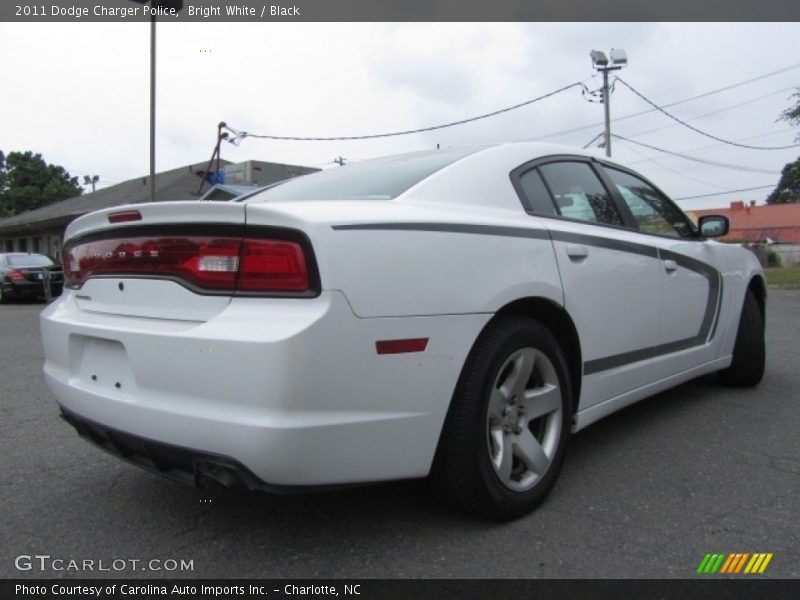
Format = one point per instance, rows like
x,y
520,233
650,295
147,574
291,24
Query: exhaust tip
x,y
211,477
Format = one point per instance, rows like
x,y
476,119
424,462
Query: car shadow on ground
x,y
611,471
413,500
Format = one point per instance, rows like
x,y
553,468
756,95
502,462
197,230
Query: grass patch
x,y
783,275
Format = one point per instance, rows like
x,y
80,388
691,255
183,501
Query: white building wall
x,y
789,253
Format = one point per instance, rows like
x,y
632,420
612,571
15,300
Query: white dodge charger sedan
x,y
457,313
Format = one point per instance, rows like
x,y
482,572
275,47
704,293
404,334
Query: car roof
x,y
478,175
529,150
481,179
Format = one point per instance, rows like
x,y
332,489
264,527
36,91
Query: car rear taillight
x,y
217,264
15,275
269,265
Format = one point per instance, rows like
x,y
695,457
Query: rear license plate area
x,y
100,364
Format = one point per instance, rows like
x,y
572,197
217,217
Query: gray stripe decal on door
x,y
517,232
601,242
708,325
710,317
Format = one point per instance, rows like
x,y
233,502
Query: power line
x,y
593,140
700,131
735,85
710,146
700,160
671,104
715,112
239,135
759,187
676,172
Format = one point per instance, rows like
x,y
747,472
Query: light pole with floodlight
x,y
602,63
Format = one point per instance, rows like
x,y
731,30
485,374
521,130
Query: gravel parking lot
x,y
645,493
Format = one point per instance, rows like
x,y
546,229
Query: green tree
x,y
792,114
788,188
28,182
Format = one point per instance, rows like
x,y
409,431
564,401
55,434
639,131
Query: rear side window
x,y
536,193
380,179
579,194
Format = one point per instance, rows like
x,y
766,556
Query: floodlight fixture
x,y
599,59
618,57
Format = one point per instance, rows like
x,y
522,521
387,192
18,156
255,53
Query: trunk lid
x,y
123,243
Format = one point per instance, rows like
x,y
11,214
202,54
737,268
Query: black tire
x,y
749,351
466,470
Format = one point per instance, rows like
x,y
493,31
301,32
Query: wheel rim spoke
x,y
496,444
523,369
505,460
497,402
523,418
541,401
530,452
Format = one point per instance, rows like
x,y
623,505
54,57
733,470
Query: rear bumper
x,y
29,289
185,465
285,392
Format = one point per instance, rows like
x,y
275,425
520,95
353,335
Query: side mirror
x,y
714,226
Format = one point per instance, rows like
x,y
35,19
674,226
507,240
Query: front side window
x,y
653,212
579,194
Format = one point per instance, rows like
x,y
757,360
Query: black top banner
x,y
197,11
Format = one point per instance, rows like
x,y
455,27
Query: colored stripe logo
x,y
735,563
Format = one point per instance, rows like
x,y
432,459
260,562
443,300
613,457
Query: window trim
x,y
598,166
628,222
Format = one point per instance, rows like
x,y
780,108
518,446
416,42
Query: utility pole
x,y
155,5
152,107
601,64
607,113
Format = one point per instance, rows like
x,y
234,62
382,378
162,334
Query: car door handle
x,y
577,252
670,266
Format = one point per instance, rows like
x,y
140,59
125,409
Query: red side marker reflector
x,y
401,346
125,216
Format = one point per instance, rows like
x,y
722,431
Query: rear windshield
x,y
379,179
29,260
